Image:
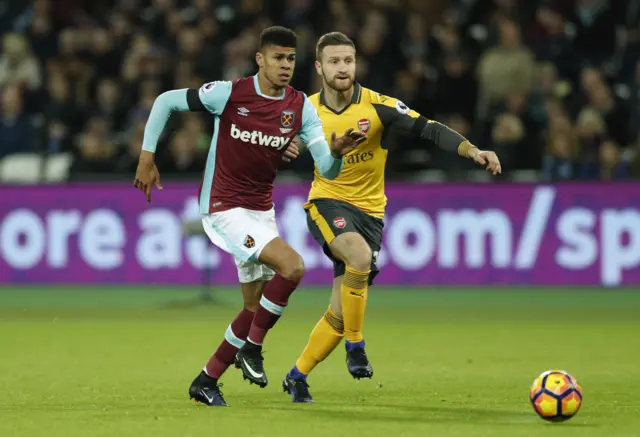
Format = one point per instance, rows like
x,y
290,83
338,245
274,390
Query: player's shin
x,y
234,339
324,338
272,304
354,302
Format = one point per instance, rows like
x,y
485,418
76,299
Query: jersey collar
x,y
256,84
355,98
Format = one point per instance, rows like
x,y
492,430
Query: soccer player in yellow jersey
x,y
345,215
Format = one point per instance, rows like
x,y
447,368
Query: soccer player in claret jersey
x,y
345,215
255,120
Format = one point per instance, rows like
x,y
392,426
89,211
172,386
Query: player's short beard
x,y
334,85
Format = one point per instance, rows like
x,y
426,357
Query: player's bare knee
x,y
252,303
294,270
251,294
360,259
354,251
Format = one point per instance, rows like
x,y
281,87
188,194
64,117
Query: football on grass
x,y
556,396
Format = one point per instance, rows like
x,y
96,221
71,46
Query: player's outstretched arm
x,y
147,175
328,165
312,135
210,97
393,112
448,139
328,159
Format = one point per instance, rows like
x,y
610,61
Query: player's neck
x,y
337,100
267,88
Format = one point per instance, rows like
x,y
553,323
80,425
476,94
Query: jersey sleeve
x,y
210,97
164,105
311,131
395,114
312,135
214,96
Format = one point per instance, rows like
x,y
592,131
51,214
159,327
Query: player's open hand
x,y
147,175
346,143
292,152
488,160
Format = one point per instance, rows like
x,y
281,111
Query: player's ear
x,y
318,68
259,59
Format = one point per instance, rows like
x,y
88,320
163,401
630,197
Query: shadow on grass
x,y
412,413
326,412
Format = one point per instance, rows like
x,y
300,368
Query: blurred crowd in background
x,y
552,86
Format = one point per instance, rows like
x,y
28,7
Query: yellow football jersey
x,y
361,182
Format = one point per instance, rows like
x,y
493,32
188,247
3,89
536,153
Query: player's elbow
x,y
163,98
172,100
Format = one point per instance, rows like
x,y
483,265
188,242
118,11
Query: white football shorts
x,y
243,233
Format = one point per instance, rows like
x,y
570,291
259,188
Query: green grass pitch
x,y
453,362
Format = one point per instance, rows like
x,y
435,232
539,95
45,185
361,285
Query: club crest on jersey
x,y
287,117
249,242
364,125
339,222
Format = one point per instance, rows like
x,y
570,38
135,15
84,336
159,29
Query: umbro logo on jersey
x,y
285,130
257,137
243,111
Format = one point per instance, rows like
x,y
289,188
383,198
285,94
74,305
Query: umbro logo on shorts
x,y
249,242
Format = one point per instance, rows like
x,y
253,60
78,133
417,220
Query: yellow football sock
x,y
354,302
323,340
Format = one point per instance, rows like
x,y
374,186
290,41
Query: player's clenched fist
x,y
147,175
489,160
292,152
346,143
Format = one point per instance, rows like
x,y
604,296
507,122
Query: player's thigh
x,y
240,232
282,258
333,225
353,250
342,229
244,234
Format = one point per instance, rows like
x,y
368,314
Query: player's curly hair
x,y
278,36
333,39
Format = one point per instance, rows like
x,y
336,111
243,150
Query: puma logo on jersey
x,y
257,137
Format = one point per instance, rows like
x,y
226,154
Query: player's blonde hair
x,y
333,39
